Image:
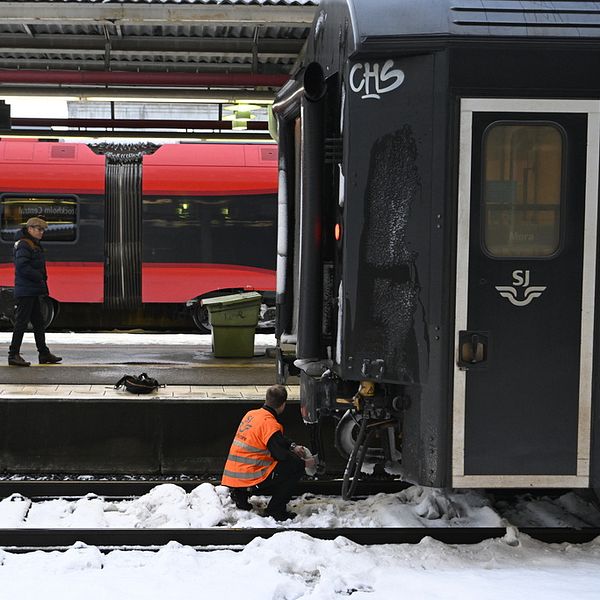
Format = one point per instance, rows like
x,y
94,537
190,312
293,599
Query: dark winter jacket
x,y
30,266
279,446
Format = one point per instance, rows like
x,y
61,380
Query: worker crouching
x,y
263,461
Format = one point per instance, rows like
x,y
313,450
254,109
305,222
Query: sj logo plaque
x,y
521,293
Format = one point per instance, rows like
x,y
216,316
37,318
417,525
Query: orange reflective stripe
x,y
249,461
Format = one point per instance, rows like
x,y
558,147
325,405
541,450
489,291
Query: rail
x,y
126,488
22,540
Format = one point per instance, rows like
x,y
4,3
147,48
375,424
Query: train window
x,y
522,189
59,211
213,229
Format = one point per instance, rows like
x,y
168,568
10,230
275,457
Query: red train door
x,y
526,253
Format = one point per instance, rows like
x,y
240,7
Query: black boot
x,y
49,359
280,515
240,498
16,360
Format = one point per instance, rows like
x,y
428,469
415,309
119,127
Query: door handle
x,y
472,349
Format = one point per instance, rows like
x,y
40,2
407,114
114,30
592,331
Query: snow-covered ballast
x,y
437,238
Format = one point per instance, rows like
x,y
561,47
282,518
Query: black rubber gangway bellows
x,y
26,539
123,206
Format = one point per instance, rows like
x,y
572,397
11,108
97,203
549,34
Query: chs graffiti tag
x,y
520,280
372,79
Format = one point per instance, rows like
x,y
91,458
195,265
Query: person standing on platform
x,y
263,461
30,285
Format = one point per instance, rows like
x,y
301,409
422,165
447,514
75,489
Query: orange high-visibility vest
x,y
249,461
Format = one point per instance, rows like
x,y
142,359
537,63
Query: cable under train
x,y
140,233
438,250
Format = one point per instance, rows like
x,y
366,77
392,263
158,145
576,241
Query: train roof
x,y
375,22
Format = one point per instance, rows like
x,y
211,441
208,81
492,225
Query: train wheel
x,y
266,323
347,433
49,311
200,317
353,436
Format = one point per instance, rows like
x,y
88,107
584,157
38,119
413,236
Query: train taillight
x,y
337,232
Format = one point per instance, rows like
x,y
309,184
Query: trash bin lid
x,y
232,299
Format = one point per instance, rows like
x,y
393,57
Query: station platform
x,y
178,393
173,359
70,419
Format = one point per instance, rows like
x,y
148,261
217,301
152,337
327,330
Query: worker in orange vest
x,y
263,461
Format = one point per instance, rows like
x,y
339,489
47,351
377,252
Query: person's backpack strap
x,y
27,241
121,382
138,385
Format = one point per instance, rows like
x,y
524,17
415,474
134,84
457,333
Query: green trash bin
x,y
233,319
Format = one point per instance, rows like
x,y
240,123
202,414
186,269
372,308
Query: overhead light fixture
x,y
241,113
241,107
239,125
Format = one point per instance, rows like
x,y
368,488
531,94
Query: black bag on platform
x,y
138,385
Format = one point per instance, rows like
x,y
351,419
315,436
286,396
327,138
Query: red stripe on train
x,y
68,281
161,282
167,282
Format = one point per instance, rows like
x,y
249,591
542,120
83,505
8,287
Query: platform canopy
x,y
112,46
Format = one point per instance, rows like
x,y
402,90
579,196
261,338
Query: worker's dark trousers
x,y
280,484
28,309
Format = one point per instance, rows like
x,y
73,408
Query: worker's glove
x,y
310,463
299,450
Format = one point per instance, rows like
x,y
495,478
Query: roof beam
x,y
134,123
191,45
135,93
247,57
148,78
240,136
55,63
236,15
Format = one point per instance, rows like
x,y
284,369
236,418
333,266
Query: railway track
x,y
25,540
120,488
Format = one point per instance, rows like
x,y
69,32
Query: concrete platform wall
x,y
91,437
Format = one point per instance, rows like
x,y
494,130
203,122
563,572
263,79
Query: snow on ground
x,y
294,566
169,506
133,339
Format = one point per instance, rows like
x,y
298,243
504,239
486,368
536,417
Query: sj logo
x,y
520,281
371,80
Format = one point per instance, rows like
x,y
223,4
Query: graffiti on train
x,y
372,80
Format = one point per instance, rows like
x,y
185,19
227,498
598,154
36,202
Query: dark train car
x,y
137,232
437,274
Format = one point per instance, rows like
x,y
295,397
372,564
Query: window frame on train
x,y
559,191
9,231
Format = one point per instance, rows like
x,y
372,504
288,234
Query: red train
x,y
139,233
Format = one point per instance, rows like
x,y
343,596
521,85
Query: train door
x,y
526,263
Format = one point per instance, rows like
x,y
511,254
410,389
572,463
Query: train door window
x,y
522,189
60,212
